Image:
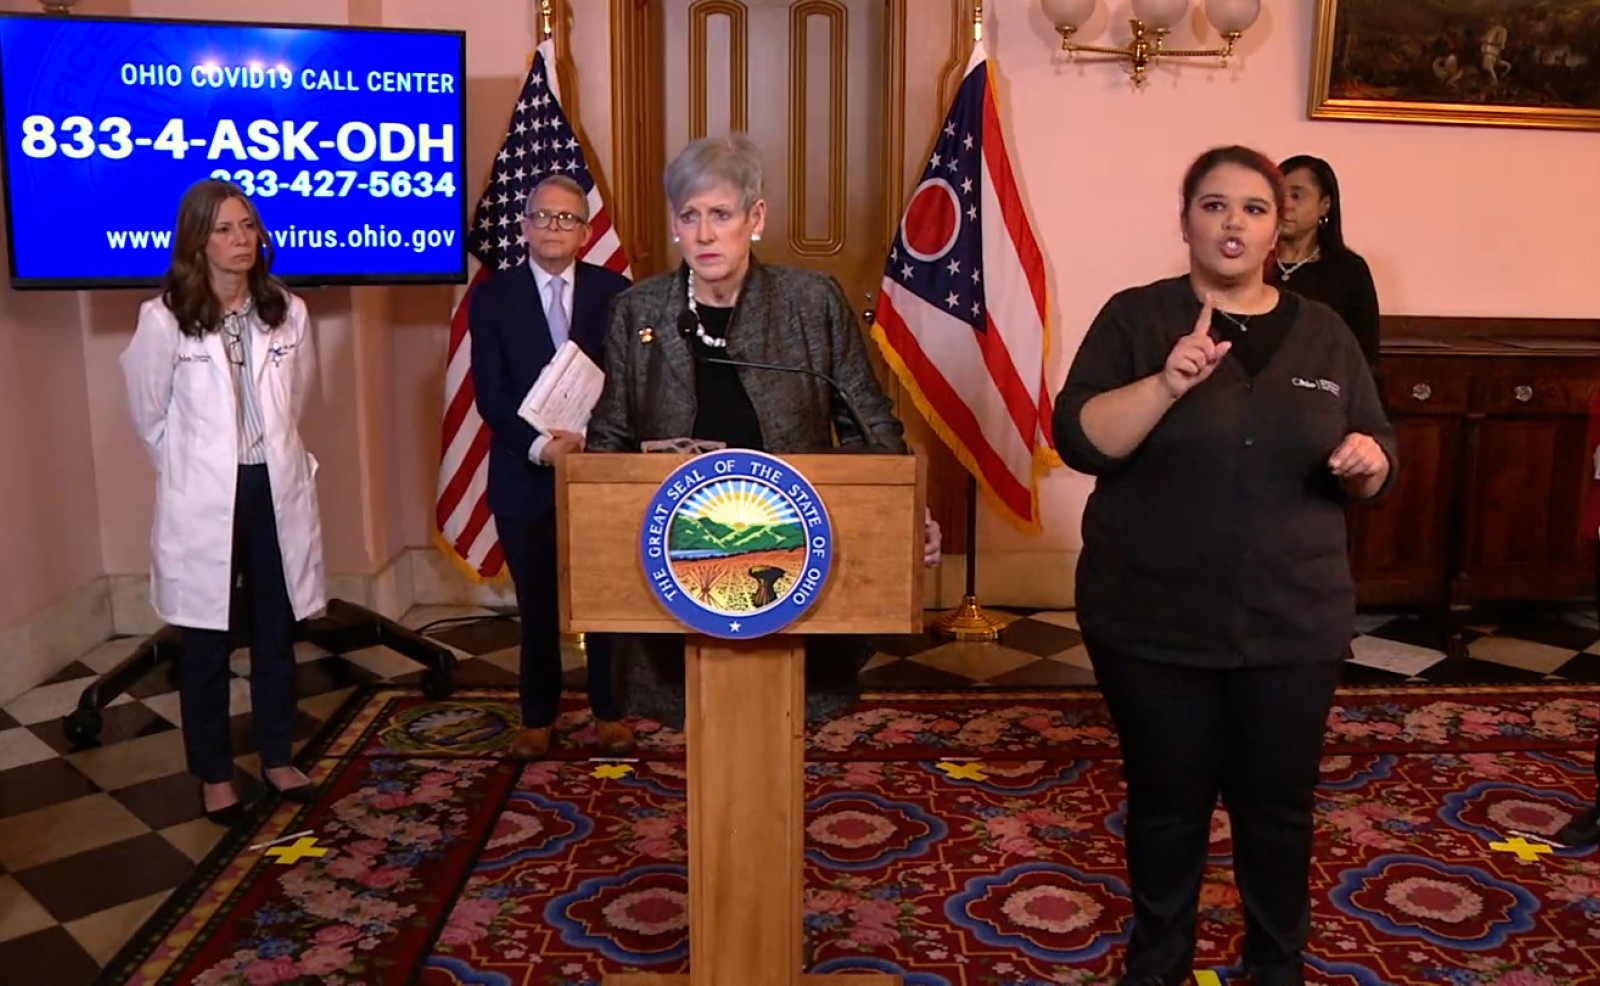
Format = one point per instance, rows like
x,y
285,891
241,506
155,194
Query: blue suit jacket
x,y
510,346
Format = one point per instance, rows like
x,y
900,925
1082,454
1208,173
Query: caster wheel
x,y
436,685
83,727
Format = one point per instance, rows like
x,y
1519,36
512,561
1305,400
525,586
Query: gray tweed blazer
x,y
787,316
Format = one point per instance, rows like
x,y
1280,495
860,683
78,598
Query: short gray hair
x,y
711,161
565,184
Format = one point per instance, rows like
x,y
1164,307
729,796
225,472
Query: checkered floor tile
x,y
92,840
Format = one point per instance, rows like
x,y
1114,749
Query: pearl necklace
x,y
1288,270
699,326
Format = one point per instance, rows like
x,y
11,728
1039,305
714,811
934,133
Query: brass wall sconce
x,y
1151,21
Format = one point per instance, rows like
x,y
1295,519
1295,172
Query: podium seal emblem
x,y
736,544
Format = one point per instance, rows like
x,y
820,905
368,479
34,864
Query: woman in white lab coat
x,y
218,373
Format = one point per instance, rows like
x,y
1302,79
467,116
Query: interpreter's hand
x,y
930,540
1358,457
561,443
1194,358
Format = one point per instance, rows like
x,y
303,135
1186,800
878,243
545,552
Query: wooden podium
x,y
745,725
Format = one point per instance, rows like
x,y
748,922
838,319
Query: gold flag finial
x,y
545,29
977,21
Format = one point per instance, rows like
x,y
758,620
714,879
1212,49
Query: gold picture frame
x,y
1421,61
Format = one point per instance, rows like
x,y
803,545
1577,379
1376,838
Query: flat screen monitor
x,y
348,140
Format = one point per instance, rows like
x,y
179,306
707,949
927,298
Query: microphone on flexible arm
x,y
686,326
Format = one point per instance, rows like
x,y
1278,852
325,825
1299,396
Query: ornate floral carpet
x,y
958,840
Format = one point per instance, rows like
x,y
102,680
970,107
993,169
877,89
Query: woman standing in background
x,y
1312,259
218,373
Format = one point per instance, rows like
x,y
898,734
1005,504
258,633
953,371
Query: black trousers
x,y
1252,735
203,660
531,556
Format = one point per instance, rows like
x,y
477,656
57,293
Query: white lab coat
x,y
182,400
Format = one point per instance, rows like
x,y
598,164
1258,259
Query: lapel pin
x,y
647,334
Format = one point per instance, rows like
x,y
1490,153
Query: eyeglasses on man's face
x,y
565,221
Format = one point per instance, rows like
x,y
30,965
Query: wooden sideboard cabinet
x,y
1491,419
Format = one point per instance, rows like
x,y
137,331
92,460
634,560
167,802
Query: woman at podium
x,y
1227,424
671,350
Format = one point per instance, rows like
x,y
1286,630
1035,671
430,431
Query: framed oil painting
x,y
1507,63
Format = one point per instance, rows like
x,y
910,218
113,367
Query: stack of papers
x,y
565,393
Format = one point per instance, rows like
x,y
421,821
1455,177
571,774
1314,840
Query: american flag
x,y
961,315
539,142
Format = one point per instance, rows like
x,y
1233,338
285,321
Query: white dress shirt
x,y
543,279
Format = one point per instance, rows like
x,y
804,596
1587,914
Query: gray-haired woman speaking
x,y
723,302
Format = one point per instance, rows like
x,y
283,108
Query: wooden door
x,y
844,98
804,79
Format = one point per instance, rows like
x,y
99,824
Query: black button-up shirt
x,y
1220,541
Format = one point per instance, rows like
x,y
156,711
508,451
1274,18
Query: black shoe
x,y
300,794
227,817
1581,831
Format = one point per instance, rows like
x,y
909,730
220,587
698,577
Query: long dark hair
x,y
186,288
1244,157
1330,234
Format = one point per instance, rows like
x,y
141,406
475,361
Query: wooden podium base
x,y
745,730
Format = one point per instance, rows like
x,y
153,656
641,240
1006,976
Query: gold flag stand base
x,y
967,622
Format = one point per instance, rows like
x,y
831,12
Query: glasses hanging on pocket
x,y
233,342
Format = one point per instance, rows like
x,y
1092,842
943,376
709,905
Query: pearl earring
x,y
755,237
674,239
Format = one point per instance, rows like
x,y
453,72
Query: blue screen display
x,y
348,140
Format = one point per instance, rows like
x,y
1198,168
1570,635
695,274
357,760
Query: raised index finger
x,y
1202,325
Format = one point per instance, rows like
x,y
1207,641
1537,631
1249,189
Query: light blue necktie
x,y
556,313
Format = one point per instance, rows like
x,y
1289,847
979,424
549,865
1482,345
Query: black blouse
x,y
1343,282
723,412
1255,338
1220,540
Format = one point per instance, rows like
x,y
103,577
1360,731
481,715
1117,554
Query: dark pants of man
x,y
531,555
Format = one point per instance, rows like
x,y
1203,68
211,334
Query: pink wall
x,y
1099,164
48,495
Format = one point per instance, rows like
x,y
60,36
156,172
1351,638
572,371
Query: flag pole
x,y
546,30
968,621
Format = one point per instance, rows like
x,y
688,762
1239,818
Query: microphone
x,y
686,326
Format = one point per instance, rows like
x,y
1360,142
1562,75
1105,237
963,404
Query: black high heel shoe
x,y
229,815
300,794
226,817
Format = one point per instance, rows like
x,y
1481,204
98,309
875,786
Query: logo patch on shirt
x,y
1319,384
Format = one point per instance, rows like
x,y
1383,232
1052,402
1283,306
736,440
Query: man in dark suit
x,y
518,319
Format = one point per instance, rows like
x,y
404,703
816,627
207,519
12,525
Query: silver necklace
x,y
1287,270
1241,323
699,326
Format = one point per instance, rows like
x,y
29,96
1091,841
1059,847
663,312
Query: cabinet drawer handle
x,y
1421,392
1523,393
